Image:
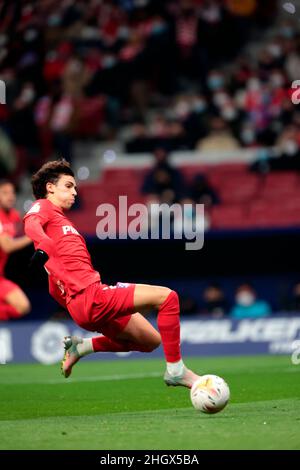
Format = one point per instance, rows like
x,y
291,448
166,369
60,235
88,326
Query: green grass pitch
x,y
124,404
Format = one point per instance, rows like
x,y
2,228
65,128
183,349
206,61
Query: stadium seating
x,y
248,200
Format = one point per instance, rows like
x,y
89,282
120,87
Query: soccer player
x,y
113,311
13,302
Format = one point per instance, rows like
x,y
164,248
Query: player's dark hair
x,y
4,181
49,173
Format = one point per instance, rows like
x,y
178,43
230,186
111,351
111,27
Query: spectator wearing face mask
x,y
248,135
247,305
215,81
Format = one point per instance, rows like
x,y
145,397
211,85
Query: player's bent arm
x,y
34,230
9,244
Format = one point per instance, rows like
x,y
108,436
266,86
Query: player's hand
x,y
38,260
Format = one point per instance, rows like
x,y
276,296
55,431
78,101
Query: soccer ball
x,y
210,394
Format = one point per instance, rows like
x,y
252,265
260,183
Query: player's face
x,y
7,196
63,193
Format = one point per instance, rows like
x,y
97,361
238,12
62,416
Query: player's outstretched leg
x,y
168,321
76,348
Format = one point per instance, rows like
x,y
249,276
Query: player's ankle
x,y
175,368
86,347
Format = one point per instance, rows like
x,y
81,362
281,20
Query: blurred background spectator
x,y
163,182
215,303
201,192
292,302
247,305
7,155
188,305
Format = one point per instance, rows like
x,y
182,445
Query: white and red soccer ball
x,y
210,394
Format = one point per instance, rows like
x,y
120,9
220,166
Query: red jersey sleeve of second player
x,y
9,221
9,227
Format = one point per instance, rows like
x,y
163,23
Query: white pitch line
x,y
96,378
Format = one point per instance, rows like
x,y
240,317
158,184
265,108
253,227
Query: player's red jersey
x,y
8,225
69,266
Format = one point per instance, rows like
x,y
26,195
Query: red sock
x,y
7,311
104,344
169,327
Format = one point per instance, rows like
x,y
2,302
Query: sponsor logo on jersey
x,y
67,229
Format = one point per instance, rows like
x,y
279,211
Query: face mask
x,y
275,50
54,20
123,32
27,94
109,61
30,35
199,106
3,40
215,82
290,147
229,114
182,109
253,84
75,66
287,32
277,80
248,136
220,99
245,298
158,28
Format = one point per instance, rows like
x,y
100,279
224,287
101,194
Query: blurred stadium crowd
x,y
148,73
238,303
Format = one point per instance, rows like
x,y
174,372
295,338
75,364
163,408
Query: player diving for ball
x,y
114,311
